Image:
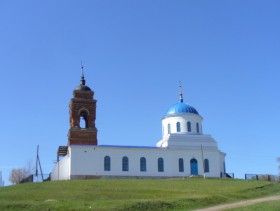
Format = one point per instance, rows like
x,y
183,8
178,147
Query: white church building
x,y
183,150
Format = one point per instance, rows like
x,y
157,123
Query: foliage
x,y
132,194
17,175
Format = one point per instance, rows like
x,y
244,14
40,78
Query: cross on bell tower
x,y
82,110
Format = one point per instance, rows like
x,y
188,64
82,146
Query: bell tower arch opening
x,y
83,113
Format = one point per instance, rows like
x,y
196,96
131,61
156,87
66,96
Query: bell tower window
x,y
83,119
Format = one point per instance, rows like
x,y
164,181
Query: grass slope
x,y
271,206
132,194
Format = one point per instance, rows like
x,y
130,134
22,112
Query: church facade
x,y
183,150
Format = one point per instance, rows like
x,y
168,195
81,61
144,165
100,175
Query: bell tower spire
x,y
83,81
181,93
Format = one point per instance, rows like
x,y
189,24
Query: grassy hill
x,y
132,194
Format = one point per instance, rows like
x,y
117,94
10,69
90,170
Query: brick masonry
x,y
83,105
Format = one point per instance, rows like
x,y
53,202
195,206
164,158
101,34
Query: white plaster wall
x,y
61,169
222,161
89,160
187,140
183,119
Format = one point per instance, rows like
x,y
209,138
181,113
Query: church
x,y
183,150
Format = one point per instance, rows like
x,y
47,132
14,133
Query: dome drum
x,y
184,123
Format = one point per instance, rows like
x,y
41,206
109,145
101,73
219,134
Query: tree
x,y
17,175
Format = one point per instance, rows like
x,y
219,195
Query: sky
x,y
225,53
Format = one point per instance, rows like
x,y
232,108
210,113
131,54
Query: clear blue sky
x,y
226,53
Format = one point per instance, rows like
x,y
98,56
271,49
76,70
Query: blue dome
x,y
181,108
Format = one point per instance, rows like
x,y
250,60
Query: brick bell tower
x,y
82,110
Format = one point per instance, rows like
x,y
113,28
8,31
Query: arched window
x,y
160,165
82,122
197,127
169,128
107,163
178,125
83,118
181,165
194,167
143,164
125,163
206,165
189,127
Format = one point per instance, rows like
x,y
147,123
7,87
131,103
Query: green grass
x,y
132,194
271,206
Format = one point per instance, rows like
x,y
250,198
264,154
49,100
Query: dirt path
x,y
240,204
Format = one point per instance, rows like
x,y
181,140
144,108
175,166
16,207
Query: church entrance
x,y
194,168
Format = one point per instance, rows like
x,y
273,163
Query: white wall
x,y
61,169
222,162
89,160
